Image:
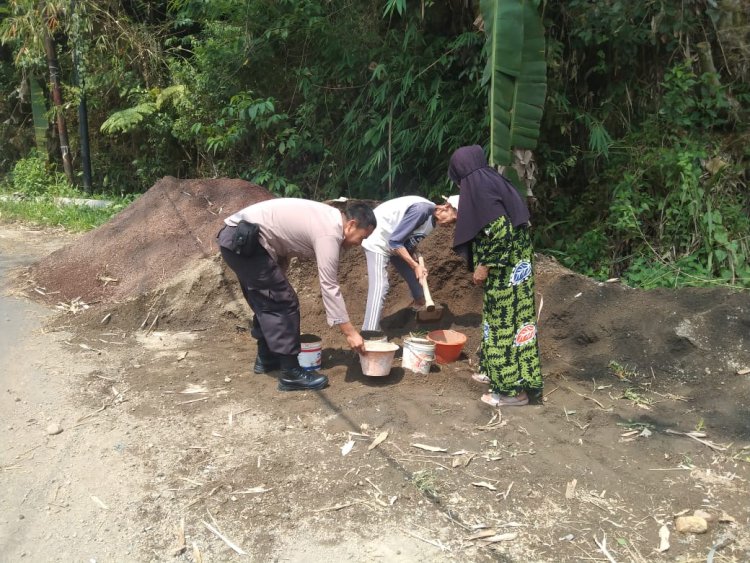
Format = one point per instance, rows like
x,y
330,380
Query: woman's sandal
x,y
480,377
498,400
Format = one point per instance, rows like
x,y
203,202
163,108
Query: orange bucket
x,y
448,344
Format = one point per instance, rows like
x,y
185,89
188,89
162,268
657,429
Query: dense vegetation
x,y
640,170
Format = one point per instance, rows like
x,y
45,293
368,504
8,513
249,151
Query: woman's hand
x,y
480,274
353,337
356,342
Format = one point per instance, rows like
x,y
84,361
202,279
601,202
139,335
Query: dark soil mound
x,y
162,233
163,253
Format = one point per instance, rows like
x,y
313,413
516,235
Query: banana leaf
x,y
517,72
39,114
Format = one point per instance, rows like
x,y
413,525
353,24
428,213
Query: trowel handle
x,y
427,297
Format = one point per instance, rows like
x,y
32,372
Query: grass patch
x,y
44,211
638,398
623,373
425,483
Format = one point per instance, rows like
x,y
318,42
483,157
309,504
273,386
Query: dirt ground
x,y
143,358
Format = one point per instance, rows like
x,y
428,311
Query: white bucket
x,y
311,352
418,356
378,358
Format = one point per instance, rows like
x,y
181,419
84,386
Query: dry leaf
x,y
180,545
570,489
501,537
346,448
197,556
377,441
429,448
192,389
482,534
485,485
743,371
463,460
253,491
98,501
663,539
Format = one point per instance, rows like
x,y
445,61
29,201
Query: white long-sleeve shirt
x,y
403,221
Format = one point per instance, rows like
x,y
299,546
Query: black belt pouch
x,y
245,242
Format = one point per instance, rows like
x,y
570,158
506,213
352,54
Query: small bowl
x,y
448,344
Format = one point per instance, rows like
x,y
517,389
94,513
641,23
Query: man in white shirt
x,y
258,241
402,223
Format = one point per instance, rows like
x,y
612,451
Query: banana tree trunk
x,y
54,77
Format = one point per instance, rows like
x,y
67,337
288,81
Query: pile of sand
x,y
162,253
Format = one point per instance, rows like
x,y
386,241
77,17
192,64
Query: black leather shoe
x,y
297,379
266,365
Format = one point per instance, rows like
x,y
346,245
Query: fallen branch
x,y
437,544
335,507
194,401
506,493
85,416
105,378
233,414
697,437
603,548
225,539
601,406
150,328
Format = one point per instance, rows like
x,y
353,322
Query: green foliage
x,y
31,177
516,71
641,157
46,212
398,125
30,194
653,185
125,120
692,102
392,6
671,221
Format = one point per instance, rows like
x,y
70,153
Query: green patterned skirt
x,y
510,349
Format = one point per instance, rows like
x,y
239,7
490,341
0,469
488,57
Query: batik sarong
x,y
510,350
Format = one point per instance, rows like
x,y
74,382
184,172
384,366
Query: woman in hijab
x,y
492,235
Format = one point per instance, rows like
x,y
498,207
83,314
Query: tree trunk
x,y
83,115
54,77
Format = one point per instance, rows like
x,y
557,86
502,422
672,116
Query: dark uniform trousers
x,y
269,294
